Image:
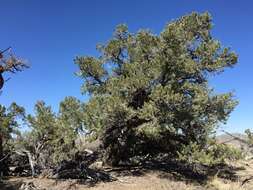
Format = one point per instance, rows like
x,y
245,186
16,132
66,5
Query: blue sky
x,y
49,34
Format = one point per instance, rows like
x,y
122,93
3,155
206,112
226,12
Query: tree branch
x,y
237,138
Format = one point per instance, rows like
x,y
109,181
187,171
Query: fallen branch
x,y
4,157
247,180
237,138
30,186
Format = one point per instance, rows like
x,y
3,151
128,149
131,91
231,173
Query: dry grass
x,y
147,182
218,184
246,172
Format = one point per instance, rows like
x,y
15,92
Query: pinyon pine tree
x,y
52,138
149,93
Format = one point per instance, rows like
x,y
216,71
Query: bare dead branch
x,y
4,157
10,63
237,138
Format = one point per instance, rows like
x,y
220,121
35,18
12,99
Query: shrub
x,y
211,155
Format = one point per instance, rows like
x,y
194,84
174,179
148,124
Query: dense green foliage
x,y
9,120
52,137
8,128
150,93
211,155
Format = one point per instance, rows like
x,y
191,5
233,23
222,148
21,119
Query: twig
x,y
236,138
247,180
4,157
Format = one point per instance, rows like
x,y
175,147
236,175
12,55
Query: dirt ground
x,y
151,180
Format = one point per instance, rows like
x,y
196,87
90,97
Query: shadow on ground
x,y
14,185
171,170
178,171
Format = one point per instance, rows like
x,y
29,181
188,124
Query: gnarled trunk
x,y
1,81
1,154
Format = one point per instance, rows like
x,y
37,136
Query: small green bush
x,y
212,154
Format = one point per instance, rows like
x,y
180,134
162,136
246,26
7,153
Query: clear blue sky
x,y
49,34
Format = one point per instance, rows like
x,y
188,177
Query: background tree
x,y
150,93
52,136
70,125
43,131
8,63
9,123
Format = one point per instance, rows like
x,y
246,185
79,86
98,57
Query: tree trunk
x,y
1,81
1,155
31,162
30,159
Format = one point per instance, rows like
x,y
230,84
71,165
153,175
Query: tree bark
x,y
1,154
30,159
1,81
31,162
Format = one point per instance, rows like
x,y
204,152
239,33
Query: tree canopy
x,y
152,91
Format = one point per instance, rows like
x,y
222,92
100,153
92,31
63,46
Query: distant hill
x,y
227,139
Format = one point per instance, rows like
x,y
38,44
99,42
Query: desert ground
x,y
133,179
